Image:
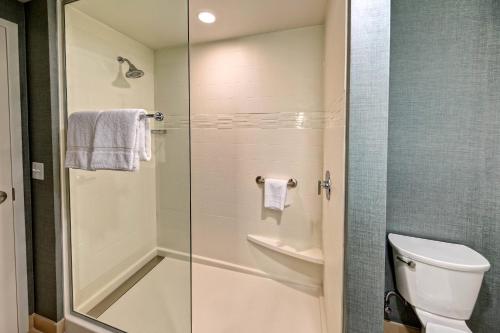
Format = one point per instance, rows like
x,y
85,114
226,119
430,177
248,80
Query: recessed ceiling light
x,y
206,17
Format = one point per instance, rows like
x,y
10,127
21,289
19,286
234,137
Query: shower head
x,y
133,72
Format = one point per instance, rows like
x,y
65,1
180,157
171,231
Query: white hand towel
x,y
120,140
275,193
80,139
144,142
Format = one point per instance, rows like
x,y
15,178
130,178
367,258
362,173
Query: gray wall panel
x,y
367,162
44,147
444,131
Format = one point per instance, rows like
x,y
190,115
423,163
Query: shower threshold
x,y
122,289
223,300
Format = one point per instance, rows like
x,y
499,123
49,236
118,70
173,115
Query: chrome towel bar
x,y
292,182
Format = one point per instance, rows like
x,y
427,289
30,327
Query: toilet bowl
x,y
432,323
436,328
440,280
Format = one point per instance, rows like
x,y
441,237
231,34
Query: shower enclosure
x,y
237,94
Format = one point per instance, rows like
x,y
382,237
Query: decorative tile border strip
x,y
335,116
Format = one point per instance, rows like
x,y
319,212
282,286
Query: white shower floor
x,y
224,301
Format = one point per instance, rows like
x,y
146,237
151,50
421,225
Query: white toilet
x,y
440,280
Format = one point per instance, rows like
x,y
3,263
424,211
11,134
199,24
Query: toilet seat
x,y
436,328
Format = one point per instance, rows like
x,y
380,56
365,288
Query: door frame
x,y
17,173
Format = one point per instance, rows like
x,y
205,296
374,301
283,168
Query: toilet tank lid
x,y
447,255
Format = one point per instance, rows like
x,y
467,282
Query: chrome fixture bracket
x,y
158,116
326,185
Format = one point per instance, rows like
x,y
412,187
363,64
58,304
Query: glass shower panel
x,y
258,114
130,231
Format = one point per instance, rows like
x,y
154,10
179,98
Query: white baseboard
x,y
101,294
165,252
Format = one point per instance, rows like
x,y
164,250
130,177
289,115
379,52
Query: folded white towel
x,y
80,139
275,191
122,139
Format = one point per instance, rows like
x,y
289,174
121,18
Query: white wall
x,y
257,109
334,160
112,213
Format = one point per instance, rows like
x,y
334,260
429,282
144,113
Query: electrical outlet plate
x,y
37,171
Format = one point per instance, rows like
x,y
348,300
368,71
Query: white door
x,y
8,287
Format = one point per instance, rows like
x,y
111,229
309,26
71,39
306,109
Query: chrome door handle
x,y
3,197
325,184
407,261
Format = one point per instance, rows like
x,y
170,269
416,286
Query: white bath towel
x,y
80,139
144,142
275,191
122,139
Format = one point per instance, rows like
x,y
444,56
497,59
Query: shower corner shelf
x,y
314,255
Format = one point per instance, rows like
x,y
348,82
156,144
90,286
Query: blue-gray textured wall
x,y
42,66
444,131
366,165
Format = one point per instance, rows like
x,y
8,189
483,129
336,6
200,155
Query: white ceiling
x,y
247,17
162,23
155,23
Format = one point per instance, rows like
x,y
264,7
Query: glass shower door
x,y
130,230
262,106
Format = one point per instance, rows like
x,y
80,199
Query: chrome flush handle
x,y
3,197
407,261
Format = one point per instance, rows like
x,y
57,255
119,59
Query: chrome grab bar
x,y
292,182
407,261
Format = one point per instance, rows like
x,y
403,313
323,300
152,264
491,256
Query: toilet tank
x,y
438,277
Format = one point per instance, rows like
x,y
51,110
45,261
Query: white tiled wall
x,y
112,213
257,109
